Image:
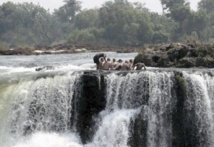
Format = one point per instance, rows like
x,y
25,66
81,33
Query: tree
x,y
124,23
196,23
207,5
27,24
162,28
179,11
86,19
7,15
67,12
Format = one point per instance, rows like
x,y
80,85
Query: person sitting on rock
x,y
125,66
114,63
97,57
101,63
139,66
119,65
111,63
131,64
107,64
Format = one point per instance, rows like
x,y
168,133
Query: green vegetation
x,y
181,85
3,46
119,23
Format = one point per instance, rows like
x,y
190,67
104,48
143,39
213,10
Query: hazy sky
x,y
153,5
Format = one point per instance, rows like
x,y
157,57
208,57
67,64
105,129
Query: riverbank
x,y
71,48
182,55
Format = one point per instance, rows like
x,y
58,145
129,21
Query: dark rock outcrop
x,y
178,55
17,51
89,103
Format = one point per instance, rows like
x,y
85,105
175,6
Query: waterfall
x,y
198,108
152,93
30,106
113,129
153,108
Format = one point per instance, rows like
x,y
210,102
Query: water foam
x,y
114,129
41,139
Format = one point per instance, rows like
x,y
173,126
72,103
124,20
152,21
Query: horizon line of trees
x,y
119,22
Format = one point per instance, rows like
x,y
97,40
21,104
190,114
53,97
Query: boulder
x,y
178,55
143,58
205,62
186,63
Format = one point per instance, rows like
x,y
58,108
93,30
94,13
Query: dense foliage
x,y
119,22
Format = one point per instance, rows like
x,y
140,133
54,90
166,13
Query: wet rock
x,y
186,63
178,55
91,101
45,68
16,51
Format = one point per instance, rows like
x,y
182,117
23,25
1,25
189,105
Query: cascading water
x,y
149,92
36,105
154,108
198,108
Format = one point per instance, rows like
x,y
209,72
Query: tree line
x,y
119,22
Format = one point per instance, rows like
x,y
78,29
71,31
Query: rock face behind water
x,y
178,55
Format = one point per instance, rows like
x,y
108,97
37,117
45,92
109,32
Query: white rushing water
x,y
42,139
36,112
199,100
130,91
37,107
113,129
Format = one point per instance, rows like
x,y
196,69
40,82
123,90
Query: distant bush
x,y
3,46
89,34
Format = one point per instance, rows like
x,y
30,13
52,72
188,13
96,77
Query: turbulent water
x,y
152,108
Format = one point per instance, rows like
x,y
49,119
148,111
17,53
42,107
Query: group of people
x,y
104,63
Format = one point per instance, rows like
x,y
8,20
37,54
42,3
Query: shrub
x,y
3,46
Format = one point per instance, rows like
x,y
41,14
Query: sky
x,y
152,5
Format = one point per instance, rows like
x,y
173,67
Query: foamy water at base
x,y
42,139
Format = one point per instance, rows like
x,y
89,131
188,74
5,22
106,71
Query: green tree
x,y
206,6
7,15
67,12
86,19
84,35
179,11
196,23
26,24
124,23
162,28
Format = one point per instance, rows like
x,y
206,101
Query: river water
x,y
152,108
79,59
18,83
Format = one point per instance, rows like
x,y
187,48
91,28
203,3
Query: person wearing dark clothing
x,y
97,57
